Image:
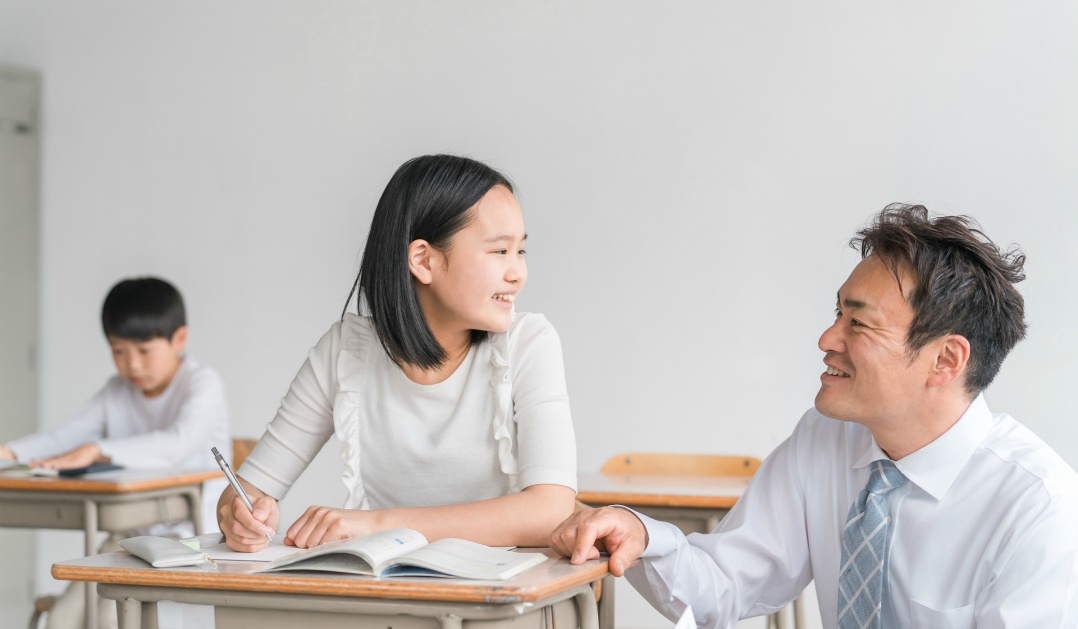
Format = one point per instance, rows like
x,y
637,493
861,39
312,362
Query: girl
x,y
452,408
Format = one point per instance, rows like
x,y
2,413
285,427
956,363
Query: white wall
x,y
689,173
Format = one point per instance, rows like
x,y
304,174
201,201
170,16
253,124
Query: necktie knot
x,y
885,478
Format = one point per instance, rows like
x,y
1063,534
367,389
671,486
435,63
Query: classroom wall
x,y
690,173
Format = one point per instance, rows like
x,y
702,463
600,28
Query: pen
x,y
235,484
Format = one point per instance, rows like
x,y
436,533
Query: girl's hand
x,y
81,456
245,531
319,525
6,453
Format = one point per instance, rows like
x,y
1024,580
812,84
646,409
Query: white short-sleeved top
x,y
498,424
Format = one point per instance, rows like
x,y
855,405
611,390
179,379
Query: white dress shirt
x,y
985,534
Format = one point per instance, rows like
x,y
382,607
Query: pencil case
x,y
162,552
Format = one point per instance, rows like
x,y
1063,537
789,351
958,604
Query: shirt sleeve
x,y
1038,585
754,563
86,426
201,410
303,424
544,426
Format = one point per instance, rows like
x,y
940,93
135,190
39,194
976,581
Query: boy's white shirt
x,y
174,430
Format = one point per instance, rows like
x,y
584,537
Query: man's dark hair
x,y
142,309
965,283
428,198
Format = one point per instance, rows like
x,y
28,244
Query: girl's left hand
x,y
319,525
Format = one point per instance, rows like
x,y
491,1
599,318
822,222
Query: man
x,y
900,493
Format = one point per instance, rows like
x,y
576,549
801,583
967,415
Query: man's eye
x,y
856,323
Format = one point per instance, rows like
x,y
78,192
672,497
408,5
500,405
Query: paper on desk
x,y
687,620
221,552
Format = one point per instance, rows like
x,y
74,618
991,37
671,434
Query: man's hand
x,y
613,529
81,456
319,525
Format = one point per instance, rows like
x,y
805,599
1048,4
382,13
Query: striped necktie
x,y
860,582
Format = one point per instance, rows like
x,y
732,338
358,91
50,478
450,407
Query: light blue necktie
x,y
860,581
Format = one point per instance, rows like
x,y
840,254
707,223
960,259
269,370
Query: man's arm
x,y
1038,586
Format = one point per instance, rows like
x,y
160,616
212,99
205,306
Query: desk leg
x,y
586,610
450,621
129,613
194,506
89,510
606,602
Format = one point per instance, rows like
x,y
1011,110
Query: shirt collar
x,y
934,467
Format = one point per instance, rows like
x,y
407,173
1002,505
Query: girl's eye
x,y
502,252
522,251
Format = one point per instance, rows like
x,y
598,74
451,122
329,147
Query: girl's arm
x,y
525,518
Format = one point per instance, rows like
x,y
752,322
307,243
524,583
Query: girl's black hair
x,y
142,309
428,198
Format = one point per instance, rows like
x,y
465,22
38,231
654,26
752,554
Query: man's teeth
x,y
508,298
831,371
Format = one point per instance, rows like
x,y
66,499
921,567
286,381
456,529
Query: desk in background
x,y
695,504
552,594
108,501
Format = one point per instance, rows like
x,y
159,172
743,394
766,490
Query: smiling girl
x,y
451,407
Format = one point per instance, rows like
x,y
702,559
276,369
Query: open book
x,y
404,552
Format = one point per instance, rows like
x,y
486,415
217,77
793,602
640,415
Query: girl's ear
x,y
420,254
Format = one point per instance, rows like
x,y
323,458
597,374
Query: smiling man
x,y
907,500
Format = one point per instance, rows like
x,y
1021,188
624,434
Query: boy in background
x,y
161,411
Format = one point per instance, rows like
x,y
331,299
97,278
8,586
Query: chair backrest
x,y
681,464
240,449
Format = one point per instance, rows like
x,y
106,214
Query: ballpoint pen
x,y
235,484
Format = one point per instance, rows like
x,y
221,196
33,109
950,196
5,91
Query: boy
x,y
163,410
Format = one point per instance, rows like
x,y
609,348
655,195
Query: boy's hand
x,y
588,531
81,456
245,531
319,525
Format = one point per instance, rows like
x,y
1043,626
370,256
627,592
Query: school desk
x,y
551,594
107,501
692,503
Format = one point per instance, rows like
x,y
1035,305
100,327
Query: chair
x,y
240,449
681,464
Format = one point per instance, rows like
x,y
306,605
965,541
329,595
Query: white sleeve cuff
x,y
662,536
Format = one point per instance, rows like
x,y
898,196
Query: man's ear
x,y
179,339
952,357
420,263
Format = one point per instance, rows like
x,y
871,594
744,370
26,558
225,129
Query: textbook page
x,y
356,555
404,552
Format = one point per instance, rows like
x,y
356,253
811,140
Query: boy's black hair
x,y
428,198
142,309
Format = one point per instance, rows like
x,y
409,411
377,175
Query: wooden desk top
x,y
661,490
114,482
547,579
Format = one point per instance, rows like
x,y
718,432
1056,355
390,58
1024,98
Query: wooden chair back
x,y
240,449
681,464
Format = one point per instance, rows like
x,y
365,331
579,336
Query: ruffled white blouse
x,y
498,424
